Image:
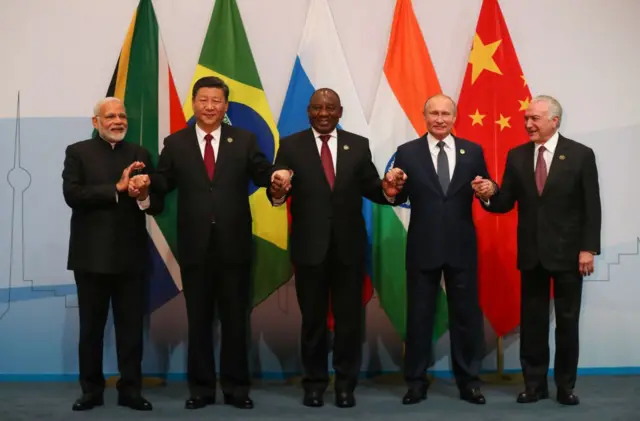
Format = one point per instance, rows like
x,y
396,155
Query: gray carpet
x,y
603,399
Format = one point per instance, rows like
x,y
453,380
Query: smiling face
x,y
538,123
324,111
111,122
440,115
209,107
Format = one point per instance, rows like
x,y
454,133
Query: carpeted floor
x,y
603,398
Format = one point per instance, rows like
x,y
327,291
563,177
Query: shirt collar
x,y
333,134
201,134
550,144
449,142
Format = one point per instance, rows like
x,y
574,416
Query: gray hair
x,y
99,104
455,106
555,109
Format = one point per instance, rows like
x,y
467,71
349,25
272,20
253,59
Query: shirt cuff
x,y
144,204
389,199
278,202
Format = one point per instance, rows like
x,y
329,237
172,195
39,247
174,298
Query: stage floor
x,y
603,398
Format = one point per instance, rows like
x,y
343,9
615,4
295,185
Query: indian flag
x,y
143,80
226,54
407,81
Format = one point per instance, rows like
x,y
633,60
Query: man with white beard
x,y
108,249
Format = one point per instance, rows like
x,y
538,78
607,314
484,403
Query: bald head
x,y
324,110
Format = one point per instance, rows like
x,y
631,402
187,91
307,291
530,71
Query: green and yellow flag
x,y
226,54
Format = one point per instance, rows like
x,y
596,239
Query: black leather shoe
x,y
345,399
87,402
473,395
313,399
566,397
136,402
414,396
532,396
242,402
197,402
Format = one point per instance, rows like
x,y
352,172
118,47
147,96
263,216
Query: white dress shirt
x,y
333,146
200,134
215,142
550,148
449,149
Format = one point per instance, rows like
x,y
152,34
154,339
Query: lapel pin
x,y
462,152
561,157
345,147
229,139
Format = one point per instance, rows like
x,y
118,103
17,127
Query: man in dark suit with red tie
x,y
211,164
554,181
332,171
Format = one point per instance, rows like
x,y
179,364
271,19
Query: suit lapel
x,y
344,157
424,154
461,160
530,168
224,151
557,163
196,154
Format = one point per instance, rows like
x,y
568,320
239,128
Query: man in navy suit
x,y
441,240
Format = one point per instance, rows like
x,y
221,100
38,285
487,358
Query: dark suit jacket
x,y
107,236
441,229
566,219
224,200
317,212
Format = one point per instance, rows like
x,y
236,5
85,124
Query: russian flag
x,y
320,63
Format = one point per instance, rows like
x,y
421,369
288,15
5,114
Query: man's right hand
x,y
280,183
393,182
123,184
483,188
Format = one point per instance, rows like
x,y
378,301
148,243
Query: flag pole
x,y
499,376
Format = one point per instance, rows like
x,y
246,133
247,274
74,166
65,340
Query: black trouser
x,y
466,324
217,284
534,326
125,292
316,286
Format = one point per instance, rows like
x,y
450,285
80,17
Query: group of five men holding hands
x,y
325,172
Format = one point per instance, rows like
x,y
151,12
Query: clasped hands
x,y
393,182
483,188
136,186
280,183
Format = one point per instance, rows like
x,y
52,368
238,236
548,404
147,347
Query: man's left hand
x,y
139,187
585,262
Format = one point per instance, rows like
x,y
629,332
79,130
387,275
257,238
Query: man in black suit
x,y
554,180
332,170
108,248
441,240
211,164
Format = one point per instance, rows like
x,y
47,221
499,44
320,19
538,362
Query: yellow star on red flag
x,y
477,118
481,58
503,122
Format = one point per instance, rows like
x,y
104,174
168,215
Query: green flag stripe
x,y
226,48
389,277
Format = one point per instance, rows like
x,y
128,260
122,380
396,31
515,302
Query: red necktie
x,y
541,170
209,158
327,161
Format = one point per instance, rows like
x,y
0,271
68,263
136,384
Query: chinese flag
x,y
491,107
